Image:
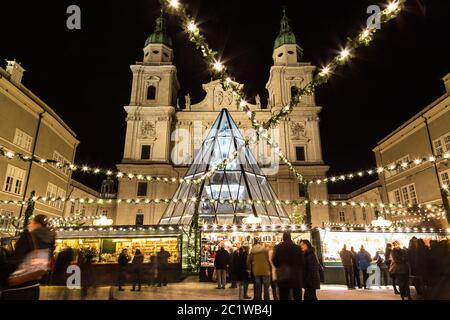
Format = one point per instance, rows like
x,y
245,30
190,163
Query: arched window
x,y
151,93
294,91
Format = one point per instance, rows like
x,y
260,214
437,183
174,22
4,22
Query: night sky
x,y
85,77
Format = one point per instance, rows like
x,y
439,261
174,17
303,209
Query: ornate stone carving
x,y
298,130
148,130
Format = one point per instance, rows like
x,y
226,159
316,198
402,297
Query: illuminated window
x,y
341,216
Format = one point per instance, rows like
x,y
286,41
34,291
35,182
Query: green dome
x,y
159,35
286,35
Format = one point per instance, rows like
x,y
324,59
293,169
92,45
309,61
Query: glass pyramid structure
x,y
242,179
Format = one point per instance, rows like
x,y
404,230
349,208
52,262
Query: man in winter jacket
x,y
288,261
258,262
221,263
364,259
346,258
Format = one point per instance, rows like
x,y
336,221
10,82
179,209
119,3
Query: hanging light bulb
x,y
344,54
218,66
192,27
174,3
392,7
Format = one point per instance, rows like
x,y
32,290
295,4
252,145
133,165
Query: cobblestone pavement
x,y
191,289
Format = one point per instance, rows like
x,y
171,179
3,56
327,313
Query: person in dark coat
x,y
347,263
311,276
400,268
356,273
232,268
44,238
63,261
85,264
163,266
288,261
136,269
364,259
239,263
221,262
123,263
388,261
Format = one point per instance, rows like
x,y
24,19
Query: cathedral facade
x,y
162,139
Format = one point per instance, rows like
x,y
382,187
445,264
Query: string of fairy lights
x,y
217,67
392,208
262,132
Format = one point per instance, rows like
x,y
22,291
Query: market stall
x,y
105,245
373,241
211,241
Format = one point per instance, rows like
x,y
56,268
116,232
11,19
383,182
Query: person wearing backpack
x,y
36,237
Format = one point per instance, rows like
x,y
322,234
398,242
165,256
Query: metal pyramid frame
x,y
242,179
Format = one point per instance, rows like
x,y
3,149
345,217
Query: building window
x,y
364,214
151,93
72,208
405,195
14,180
301,190
341,216
403,164
397,197
445,178
59,158
412,194
5,219
442,145
23,140
146,152
105,213
54,191
294,91
300,153
354,215
139,219
142,189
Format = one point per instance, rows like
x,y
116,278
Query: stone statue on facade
x,y
258,101
188,101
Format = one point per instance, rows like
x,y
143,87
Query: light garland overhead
x,y
145,201
119,175
217,67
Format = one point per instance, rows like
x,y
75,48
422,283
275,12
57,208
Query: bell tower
x,y
153,99
299,132
288,73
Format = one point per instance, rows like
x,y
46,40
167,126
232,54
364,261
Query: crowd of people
x,y
32,262
285,271
424,265
290,270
